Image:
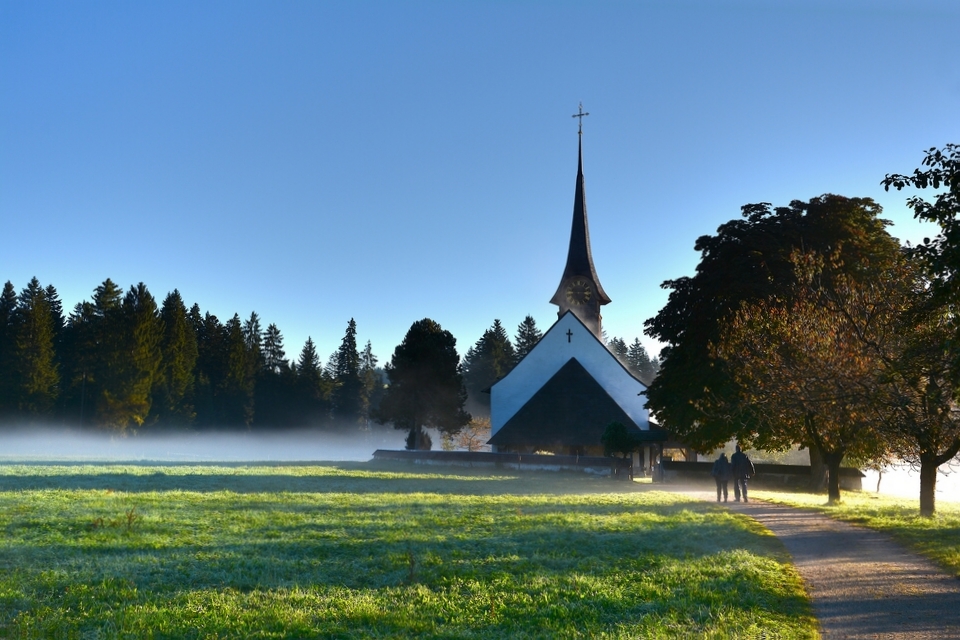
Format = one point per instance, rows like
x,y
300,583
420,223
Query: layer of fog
x,y
904,481
307,445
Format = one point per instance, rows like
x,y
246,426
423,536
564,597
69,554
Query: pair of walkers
x,y
739,467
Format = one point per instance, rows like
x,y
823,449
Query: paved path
x,y
862,583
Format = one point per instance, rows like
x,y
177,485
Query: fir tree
x,y
276,383
312,387
36,373
308,365
253,336
348,392
8,309
487,361
174,394
372,378
103,352
640,363
426,388
618,347
238,388
126,391
527,337
56,311
211,370
274,357
78,352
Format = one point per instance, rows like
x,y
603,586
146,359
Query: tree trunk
x,y
928,485
833,476
818,470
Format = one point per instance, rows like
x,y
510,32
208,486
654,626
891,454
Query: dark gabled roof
x,y
571,409
579,255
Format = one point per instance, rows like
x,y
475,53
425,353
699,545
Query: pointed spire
x,y
579,255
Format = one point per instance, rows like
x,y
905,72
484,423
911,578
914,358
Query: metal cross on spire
x,y
580,115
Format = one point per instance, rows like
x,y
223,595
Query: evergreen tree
x,y
274,357
36,373
348,392
211,370
487,361
78,351
173,402
372,378
426,388
276,384
104,351
56,311
527,337
126,390
313,387
640,363
253,336
618,347
8,309
107,297
237,393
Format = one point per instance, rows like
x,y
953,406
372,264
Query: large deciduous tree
x,y
808,365
941,254
928,378
752,261
425,385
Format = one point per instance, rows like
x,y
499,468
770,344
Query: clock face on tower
x,y
579,292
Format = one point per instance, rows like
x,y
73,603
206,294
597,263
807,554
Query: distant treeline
x,y
120,361
123,362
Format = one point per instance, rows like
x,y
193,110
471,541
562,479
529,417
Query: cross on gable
x,y
569,335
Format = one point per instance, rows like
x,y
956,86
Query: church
x,y
563,394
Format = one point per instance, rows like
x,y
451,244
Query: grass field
x,y
938,537
363,550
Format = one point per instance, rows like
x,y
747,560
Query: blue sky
x,y
391,161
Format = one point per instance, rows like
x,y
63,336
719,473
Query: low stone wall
x,y
597,465
770,476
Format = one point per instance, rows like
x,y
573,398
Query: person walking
x,y
743,470
721,474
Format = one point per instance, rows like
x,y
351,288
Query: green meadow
x,y
938,537
364,550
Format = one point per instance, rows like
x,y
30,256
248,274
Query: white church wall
x,y
552,352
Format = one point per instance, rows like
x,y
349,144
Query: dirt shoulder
x,y
861,582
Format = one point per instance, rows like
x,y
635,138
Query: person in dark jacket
x,y
721,473
742,471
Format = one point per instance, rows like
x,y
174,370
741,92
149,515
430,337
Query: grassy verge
x,y
938,537
358,551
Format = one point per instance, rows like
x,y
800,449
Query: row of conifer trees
x,y
121,361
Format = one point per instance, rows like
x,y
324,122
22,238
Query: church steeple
x,y
580,289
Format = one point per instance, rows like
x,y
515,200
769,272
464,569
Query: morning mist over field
x,y
50,443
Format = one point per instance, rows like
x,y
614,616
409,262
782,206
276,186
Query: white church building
x,y
563,394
